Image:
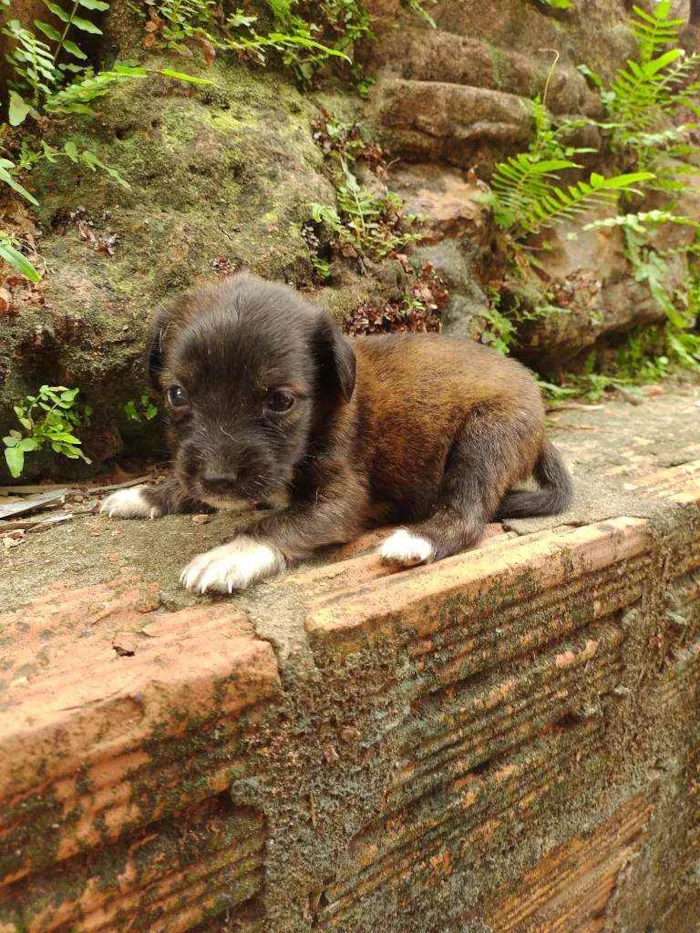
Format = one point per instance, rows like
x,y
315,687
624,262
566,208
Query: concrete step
x,y
506,740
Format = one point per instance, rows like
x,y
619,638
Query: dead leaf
x,y
5,302
208,50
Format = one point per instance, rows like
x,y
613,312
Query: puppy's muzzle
x,y
219,485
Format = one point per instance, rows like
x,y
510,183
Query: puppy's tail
x,y
554,495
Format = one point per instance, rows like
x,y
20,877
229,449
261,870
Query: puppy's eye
x,y
280,401
177,397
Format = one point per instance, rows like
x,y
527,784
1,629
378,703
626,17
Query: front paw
x,y
131,503
233,566
406,549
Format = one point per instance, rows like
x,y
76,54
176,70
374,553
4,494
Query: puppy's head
x,y
249,371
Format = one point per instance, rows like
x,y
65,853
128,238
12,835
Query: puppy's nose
x,y
212,478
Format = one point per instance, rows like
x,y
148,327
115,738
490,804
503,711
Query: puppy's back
x,y
441,373
419,393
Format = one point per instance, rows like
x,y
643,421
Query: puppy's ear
x,y
336,358
156,348
155,357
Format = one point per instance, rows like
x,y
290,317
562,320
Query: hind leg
x,y
486,459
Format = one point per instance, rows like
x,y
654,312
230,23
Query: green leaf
x,y
181,76
48,30
86,25
73,49
11,440
94,4
14,457
71,150
57,10
29,443
19,262
66,438
15,185
18,109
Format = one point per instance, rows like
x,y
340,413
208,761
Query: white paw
x,y
406,549
130,503
233,566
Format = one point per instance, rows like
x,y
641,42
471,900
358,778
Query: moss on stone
x,y
224,172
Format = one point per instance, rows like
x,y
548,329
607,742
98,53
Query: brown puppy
x,y
269,404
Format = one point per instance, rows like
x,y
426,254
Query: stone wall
x,y
504,741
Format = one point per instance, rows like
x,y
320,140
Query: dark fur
x,y
424,429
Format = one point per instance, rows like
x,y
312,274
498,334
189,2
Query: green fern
x,y
41,68
76,97
647,98
33,64
183,18
655,30
527,195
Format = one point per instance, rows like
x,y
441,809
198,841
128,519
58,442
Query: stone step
x,y
446,122
442,57
508,737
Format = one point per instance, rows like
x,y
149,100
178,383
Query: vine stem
x,y
550,73
68,25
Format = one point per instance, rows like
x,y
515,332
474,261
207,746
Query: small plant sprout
x,y
48,420
141,409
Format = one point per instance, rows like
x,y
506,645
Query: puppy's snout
x,y
218,482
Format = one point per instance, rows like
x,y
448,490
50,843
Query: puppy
x,y
269,404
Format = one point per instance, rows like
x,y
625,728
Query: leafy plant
x,y
70,150
364,224
7,170
8,252
650,266
141,409
48,419
50,77
178,23
40,68
527,193
527,190
647,101
420,8
17,260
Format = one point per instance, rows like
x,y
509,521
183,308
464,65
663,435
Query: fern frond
x,y
641,221
640,91
560,204
520,181
31,60
655,30
75,97
526,194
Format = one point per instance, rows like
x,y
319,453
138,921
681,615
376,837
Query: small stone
x,y
330,754
201,519
124,644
